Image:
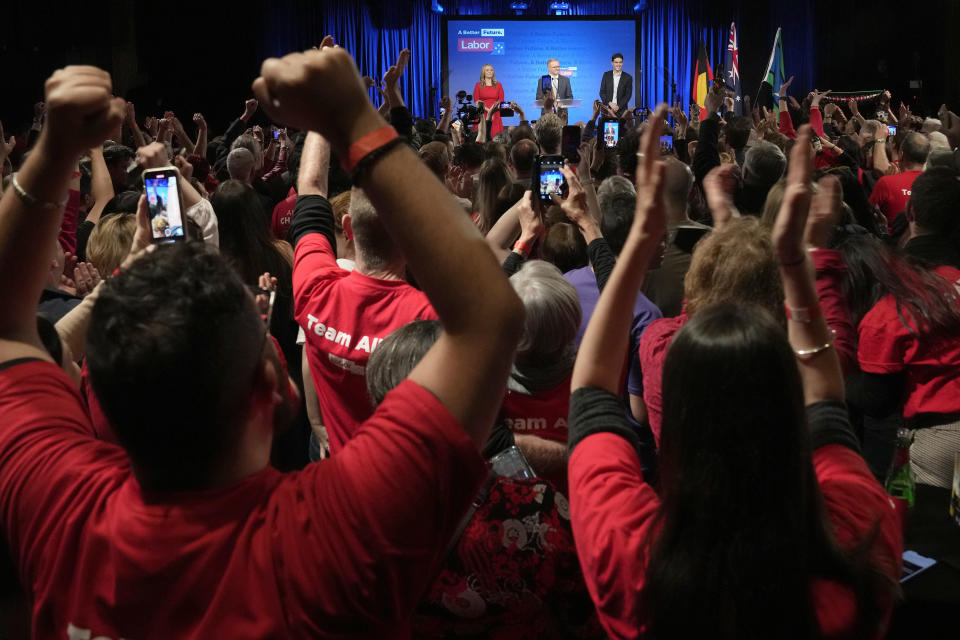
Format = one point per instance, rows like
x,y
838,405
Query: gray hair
x,y
552,310
240,164
764,164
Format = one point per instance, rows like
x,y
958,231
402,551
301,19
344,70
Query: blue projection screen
x,y
519,49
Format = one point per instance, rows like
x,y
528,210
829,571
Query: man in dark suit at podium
x,y
560,85
616,88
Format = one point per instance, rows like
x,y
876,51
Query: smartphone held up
x,y
165,203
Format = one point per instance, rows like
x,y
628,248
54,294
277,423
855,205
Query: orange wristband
x,y
366,145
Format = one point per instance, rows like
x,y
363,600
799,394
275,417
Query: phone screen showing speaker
x,y
551,180
163,200
611,133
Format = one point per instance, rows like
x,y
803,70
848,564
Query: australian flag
x,y
731,70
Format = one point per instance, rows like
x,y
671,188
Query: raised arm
x,y
200,148
101,187
482,317
601,356
807,329
80,115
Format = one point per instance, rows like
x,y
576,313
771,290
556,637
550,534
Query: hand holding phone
x,y
611,133
548,179
165,204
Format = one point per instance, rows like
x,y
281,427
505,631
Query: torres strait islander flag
x,y
702,79
731,70
775,76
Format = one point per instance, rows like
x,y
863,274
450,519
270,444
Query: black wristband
x,y
367,162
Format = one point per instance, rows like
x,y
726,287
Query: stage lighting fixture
x,y
436,7
518,7
560,8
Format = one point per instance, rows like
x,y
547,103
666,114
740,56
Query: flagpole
x,y
773,53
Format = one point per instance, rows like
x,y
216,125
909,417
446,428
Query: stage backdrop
x,y
519,49
669,33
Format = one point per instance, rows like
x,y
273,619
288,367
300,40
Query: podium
x,y
568,103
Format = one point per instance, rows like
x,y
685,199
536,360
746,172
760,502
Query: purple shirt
x,y
644,312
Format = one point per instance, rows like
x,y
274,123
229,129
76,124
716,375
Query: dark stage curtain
x,y
668,37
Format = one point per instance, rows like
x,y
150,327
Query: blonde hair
x,y
736,265
341,206
493,79
110,241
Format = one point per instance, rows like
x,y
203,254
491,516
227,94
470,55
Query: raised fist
x,y
318,91
81,110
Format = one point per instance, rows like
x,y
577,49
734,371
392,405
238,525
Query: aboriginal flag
x,y
702,79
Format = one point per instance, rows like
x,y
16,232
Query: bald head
x,y
240,163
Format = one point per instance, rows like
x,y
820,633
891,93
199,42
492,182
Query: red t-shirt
x,y
613,510
542,414
346,546
932,366
283,215
892,192
653,352
345,315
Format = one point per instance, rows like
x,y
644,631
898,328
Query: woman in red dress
x,y
489,91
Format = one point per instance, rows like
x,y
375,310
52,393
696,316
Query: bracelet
x,y
802,314
366,145
522,247
807,353
367,162
33,201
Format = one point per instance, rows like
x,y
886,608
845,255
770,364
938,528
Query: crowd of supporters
x,y
662,405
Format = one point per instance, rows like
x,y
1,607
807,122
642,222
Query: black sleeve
x,y
233,132
512,263
402,121
829,423
602,260
629,92
84,229
707,155
594,410
875,394
312,214
500,438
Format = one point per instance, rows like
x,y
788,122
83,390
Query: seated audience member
x,y
664,286
891,192
536,405
768,521
511,568
345,314
162,531
908,324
